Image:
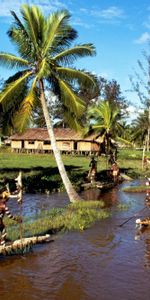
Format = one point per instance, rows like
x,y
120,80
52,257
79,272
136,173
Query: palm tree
x,y
104,120
140,130
43,44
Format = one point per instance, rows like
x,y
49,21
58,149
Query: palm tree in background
x,y
105,121
44,46
140,129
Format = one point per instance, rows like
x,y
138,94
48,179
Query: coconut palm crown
x,y
45,54
105,121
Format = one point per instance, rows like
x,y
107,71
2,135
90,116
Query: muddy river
x,y
104,262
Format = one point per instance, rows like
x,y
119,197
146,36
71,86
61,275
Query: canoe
x,y
23,245
98,185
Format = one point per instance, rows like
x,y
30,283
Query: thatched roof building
x,y
68,141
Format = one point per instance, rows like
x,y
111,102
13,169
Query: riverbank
x,y
76,216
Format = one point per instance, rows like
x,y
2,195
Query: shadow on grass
x,y
47,179
42,180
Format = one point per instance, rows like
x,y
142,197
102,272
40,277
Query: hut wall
x,y
16,145
65,145
84,146
71,146
29,145
37,145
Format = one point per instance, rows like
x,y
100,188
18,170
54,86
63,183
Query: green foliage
x,y
123,207
73,217
140,127
130,154
43,44
104,120
136,189
110,91
87,204
39,167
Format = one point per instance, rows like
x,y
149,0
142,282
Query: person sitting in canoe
x,y
4,210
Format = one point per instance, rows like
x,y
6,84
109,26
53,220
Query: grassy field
x,y
42,168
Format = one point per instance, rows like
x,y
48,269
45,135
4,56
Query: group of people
x,y
114,170
5,195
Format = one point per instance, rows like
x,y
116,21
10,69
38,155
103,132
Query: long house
x,y
36,140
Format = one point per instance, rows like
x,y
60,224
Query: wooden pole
x,y
135,215
19,188
143,156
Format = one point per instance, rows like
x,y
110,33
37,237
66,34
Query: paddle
x,y
135,215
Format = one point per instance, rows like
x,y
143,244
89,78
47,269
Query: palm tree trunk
x,y
148,134
73,196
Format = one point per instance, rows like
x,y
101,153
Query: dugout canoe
x,y
23,245
98,185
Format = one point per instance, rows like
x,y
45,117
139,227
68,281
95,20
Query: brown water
x,y
104,262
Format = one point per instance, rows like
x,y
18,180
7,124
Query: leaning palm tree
x,y
45,54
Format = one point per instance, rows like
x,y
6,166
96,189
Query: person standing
x,y
93,170
115,171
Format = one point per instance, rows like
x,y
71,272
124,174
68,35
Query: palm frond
x,y
44,69
81,77
30,17
72,121
8,91
59,33
23,117
10,60
70,55
70,99
120,139
56,26
20,37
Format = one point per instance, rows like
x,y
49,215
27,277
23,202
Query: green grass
x,y
136,189
77,216
40,173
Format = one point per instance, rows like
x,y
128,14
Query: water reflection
x,y
110,198
143,235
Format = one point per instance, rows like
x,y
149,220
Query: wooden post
x,y
19,188
143,156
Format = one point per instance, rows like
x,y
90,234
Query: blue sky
x,y
119,29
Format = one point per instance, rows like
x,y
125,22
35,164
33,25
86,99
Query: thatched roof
x,y
41,134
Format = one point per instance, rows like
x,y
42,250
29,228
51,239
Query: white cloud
x,y
84,10
79,22
46,5
111,12
145,37
133,112
103,74
110,15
